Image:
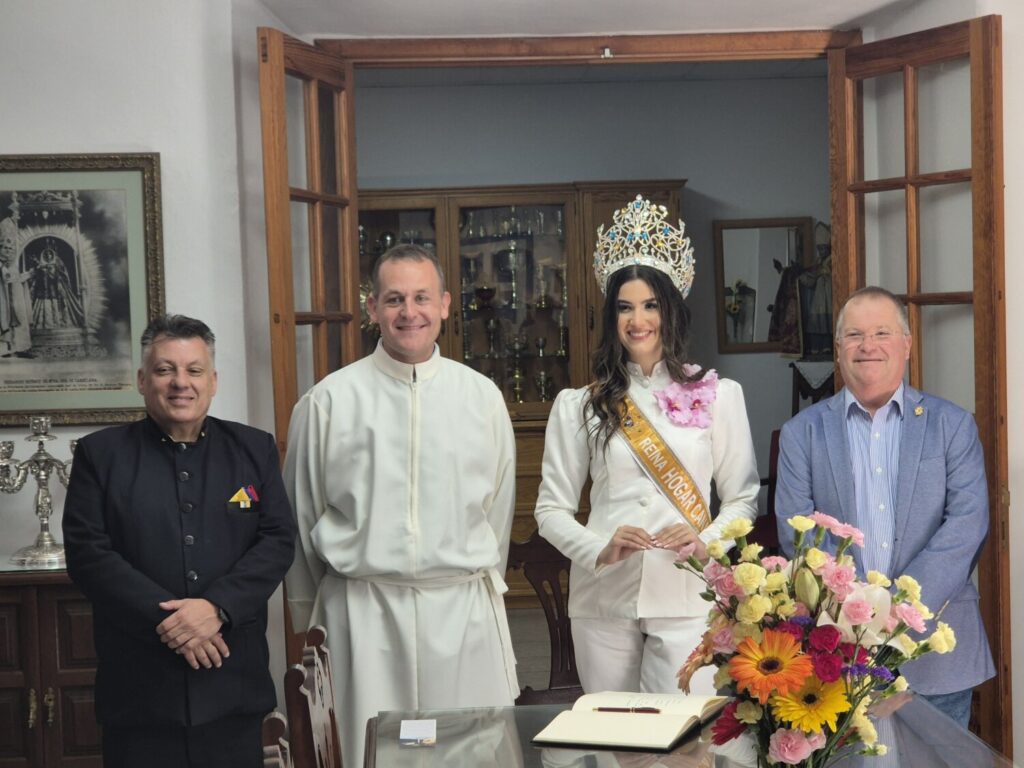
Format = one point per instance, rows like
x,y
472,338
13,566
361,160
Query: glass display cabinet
x,y
517,294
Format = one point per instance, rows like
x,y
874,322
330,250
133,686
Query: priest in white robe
x,y
401,470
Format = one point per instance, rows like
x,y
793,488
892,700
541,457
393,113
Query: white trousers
x,y
638,654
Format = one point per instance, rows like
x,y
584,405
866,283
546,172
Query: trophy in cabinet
x,y
542,289
516,345
491,327
543,381
540,342
513,261
563,336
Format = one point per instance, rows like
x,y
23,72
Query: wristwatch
x,y
223,616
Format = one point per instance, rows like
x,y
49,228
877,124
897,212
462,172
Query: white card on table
x,y
418,733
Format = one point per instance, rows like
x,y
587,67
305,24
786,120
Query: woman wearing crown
x,y
652,431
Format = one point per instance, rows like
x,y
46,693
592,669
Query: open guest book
x,y
651,721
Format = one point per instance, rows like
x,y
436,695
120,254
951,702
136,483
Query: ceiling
x,y
513,18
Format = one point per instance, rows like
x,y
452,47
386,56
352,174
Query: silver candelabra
x,y
47,552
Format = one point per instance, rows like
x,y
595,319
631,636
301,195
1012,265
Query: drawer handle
x,y
49,700
33,708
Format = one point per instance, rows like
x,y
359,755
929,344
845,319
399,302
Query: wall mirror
x,y
754,258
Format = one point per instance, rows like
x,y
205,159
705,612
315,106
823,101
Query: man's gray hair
x,y
176,327
406,252
874,292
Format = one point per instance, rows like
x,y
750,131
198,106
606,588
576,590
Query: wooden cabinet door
x,y
67,674
20,742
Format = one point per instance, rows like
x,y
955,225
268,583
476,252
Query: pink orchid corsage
x,y
689,404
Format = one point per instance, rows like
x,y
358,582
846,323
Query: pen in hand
x,y
637,710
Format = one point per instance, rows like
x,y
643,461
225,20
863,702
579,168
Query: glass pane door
x,y
514,297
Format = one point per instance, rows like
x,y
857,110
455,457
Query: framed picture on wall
x,y
81,273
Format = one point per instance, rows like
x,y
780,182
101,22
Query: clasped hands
x,y
193,631
628,539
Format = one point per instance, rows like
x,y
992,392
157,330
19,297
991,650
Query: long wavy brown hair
x,y
606,399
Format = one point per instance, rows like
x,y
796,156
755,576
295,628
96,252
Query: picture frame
x,y
81,274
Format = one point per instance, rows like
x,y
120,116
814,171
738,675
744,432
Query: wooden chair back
x,y
766,532
309,696
276,751
547,569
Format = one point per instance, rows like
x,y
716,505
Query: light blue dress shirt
x,y
875,459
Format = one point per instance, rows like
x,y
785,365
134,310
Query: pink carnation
x,y
723,641
838,578
858,611
771,562
847,531
838,529
827,522
910,616
790,747
817,740
721,580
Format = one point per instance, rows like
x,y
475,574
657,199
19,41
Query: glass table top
x,y
917,734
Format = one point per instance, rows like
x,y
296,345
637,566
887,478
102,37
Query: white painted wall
x,y
932,13
130,76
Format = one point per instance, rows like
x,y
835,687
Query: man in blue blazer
x,y
907,469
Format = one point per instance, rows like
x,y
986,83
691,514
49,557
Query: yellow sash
x,y
664,467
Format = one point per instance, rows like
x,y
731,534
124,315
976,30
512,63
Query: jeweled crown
x,y
640,234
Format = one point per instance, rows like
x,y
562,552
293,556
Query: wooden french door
x,y
917,202
310,200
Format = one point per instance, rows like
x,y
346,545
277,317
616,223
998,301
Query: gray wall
x,y
750,148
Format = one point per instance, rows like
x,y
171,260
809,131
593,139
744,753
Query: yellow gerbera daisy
x,y
814,705
775,665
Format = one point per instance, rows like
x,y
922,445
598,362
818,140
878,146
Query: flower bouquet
x,y
802,646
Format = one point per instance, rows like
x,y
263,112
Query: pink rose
x,y
858,611
910,616
789,747
773,562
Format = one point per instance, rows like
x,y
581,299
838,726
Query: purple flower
x,y
856,670
802,620
882,674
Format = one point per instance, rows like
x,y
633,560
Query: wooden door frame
x,y
981,40
790,45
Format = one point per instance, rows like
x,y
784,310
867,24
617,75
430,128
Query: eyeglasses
x,y
856,338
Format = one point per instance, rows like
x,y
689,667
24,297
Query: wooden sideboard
x,y
47,671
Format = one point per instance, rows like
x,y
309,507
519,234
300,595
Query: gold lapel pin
x,y
919,410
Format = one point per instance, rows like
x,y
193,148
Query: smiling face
x,y
873,350
639,324
178,381
409,308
